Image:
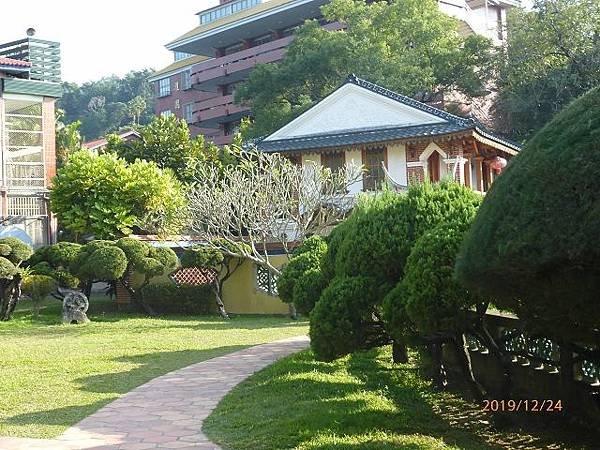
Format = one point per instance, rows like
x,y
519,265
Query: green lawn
x,y
361,402
53,375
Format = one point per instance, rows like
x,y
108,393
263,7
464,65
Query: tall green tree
x,y
109,198
68,138
105,105
167,142
406,45
552,56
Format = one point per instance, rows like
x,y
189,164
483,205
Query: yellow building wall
x,y
242,296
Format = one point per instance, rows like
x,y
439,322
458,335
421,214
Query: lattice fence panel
x,y
194,276
266,280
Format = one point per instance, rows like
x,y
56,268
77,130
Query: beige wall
x,y
242,296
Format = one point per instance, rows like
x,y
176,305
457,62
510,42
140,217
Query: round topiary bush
x,y
134,249
19,250
532,247
105,263
308,289
202,256
434,300
337,323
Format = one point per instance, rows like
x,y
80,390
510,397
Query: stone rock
x,y
75,306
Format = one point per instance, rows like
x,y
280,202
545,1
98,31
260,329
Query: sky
x,y
100,38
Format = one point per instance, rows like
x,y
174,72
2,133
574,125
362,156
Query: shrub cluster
x,y
404,245
168,298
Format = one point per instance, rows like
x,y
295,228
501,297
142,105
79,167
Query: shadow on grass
x,y
327,401
150,365
360,402
63,417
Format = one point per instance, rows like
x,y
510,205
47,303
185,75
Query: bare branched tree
x,y
266,201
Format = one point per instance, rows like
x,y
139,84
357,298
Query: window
x,y
188,112
181,55
186,79
166,113
23,137
266,281
373,160
333,161
233,48
262,40
164,87
227,10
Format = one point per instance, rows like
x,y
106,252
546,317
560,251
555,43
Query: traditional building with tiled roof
x,y
393,137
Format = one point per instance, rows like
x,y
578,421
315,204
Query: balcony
x,y
235,67
44,57
212,112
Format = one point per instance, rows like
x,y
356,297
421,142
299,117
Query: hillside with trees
x,y
108,104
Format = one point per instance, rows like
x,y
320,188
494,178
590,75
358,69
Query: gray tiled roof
x,y
453,124
363,136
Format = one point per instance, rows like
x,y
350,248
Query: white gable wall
x,y
352,107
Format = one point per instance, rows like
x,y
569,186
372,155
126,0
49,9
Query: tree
x,y
409,46
437,305
532,248
552,56
108,104
116,261
37,288
54,261
267,200
374,243
221,258
107,197
12,254
68,139
167,142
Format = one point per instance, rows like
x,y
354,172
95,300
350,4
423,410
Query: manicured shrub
x,y
105,263
14,252
533,246
308,289
19,250
435,302
61,255
306,257
337,323
37,287
168,298
375,242
7,268
202,256
134,249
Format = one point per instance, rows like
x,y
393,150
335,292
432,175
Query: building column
x,y
478,182
467,171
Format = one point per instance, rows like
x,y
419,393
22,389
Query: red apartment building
x,y
238,34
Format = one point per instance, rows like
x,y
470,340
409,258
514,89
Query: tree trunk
x,y
9,298
220,305
293,312
399,352
136,296
438,371
464,359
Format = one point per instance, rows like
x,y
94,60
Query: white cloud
x,y
100,38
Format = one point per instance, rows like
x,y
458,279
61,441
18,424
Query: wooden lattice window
x,y
266,280
373,161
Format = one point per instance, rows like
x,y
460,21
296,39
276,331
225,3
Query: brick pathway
x,y
167,412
